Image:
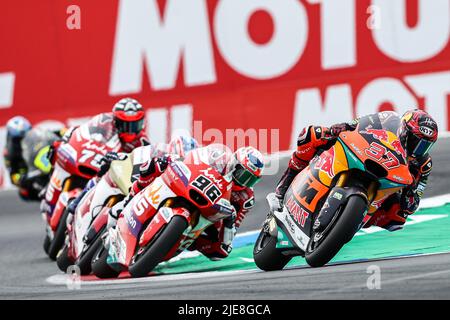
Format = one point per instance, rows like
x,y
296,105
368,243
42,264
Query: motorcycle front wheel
x,y
267,257
84,262
158,248
62,260
58,240
320,252
100,267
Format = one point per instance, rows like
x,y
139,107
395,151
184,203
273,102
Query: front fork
x,y
338,196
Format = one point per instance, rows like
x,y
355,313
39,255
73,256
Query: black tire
x,y
342,232
99,266
85,260
63,261
58,240
158,248
46,244
267,257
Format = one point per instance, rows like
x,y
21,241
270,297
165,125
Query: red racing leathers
x,y
393,212
105,121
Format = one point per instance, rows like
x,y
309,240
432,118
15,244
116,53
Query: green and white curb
x,y
426,232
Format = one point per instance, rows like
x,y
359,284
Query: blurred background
x,y
230,64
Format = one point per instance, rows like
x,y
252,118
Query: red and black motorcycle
x,y
77,161
164,219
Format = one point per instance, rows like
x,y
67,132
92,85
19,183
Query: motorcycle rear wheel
x,y
158,248
343,231
267,257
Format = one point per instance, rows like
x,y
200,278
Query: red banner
x,y
254,64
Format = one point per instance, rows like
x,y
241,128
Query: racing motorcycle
x,y
77,161
338,192
35,146
164,219
90,219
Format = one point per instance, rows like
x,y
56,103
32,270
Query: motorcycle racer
x,y
25,156
125,124
417,132
127,120
244,168
16,128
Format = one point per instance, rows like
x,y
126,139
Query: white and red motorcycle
x,y
89,222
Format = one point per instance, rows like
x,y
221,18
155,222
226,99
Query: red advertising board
x,y
231,64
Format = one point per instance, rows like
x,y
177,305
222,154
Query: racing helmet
x,y
17,127
181,145
418,132
246,166
129,119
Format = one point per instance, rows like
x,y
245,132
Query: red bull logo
x,y
325,163
378,134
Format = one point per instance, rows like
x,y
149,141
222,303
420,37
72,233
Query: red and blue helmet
x,y
246,166
418,133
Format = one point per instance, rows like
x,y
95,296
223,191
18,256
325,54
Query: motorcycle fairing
x,y
295,235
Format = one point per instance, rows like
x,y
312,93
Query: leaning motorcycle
x,y
77,161
164,219
90,218
339,191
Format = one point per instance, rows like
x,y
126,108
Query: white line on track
x,y
63,279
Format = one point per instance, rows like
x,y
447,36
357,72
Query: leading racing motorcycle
x,y
164,219
340,189
77,161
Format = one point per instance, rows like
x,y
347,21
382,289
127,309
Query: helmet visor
x,y
423,147
130,126
243,177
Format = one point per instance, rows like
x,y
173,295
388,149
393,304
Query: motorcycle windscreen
x,y
120,172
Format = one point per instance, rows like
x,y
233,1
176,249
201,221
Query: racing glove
x,y
409,202
105,162
337,128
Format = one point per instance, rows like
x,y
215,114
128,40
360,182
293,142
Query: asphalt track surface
x,y
25,267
